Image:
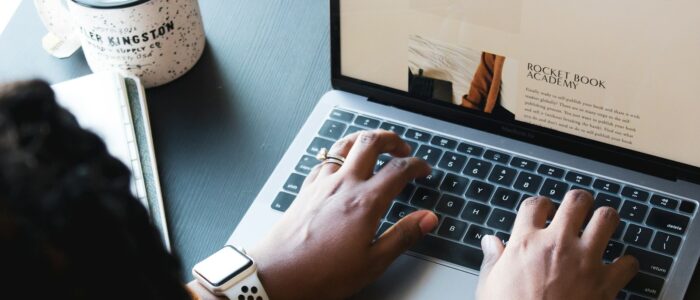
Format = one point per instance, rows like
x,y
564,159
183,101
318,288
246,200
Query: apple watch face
x,y
223,265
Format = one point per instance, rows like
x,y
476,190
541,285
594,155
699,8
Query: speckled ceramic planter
x,y
156,40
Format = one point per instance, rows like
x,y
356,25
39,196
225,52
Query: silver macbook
x,y
509,99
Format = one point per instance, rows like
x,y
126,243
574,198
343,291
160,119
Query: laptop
x,y
508,99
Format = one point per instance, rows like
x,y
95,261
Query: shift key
x,y
646,285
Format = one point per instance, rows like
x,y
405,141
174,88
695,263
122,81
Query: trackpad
x,y
414,278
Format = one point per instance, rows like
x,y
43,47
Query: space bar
x,y
449,251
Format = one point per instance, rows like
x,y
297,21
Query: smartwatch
x,y
231,273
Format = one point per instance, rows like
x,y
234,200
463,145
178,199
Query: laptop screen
x,y
624,73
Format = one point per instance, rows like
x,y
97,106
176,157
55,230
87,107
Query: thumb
x,y
493,248
402,235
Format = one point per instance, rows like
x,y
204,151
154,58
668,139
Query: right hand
x,y
555,262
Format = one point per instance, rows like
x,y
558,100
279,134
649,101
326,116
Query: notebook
x,y
114,107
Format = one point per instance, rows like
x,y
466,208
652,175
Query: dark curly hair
x,y
69,226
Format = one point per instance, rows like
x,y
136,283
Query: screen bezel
x,y
614,155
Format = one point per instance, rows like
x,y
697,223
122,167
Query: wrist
x,y
199,292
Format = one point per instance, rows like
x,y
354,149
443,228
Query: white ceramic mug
x,y
155,40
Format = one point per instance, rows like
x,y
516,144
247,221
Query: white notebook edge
x,y
147,150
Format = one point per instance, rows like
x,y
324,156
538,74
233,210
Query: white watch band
x,y
249,288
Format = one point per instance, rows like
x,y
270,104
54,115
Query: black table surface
x,y
220,130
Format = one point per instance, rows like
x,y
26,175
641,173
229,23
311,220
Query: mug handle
x,y
63,38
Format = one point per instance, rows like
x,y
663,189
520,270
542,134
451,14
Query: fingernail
x,y
428,222
487,243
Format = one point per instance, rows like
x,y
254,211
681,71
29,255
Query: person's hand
x,y
323,248
555,262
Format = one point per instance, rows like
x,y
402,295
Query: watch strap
x,y
249,288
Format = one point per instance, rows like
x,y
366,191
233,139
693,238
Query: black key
x,y
687,207
475,212
452,162
406,193
550,171
502,175
638,235
351,130
579,178
470,149
449,251
653,263
528,182
342,115
522,163
398,129
666,243
554,189
613,250
382,229
645,285
607,186
619,230
497,156
432,180
332,129
479,191
367,122
662,201
503,236
475,234
294,183
317,144
454,184
501,220
429,154
668,221
382,160
306,164
399,211
283,201
444,142
425,198
452,229
634,193
413,145
477,168
418,135
505,198
633,211
450,205
603,199
635,297
621,296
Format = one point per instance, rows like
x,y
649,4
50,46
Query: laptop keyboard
x,y
476,190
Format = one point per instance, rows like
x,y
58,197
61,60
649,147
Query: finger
x,y
533,215
600,229
391,179
621,271
340,148
313,174
573,212
366,149
493,248
402,235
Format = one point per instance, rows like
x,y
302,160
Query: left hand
x,y
322,247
